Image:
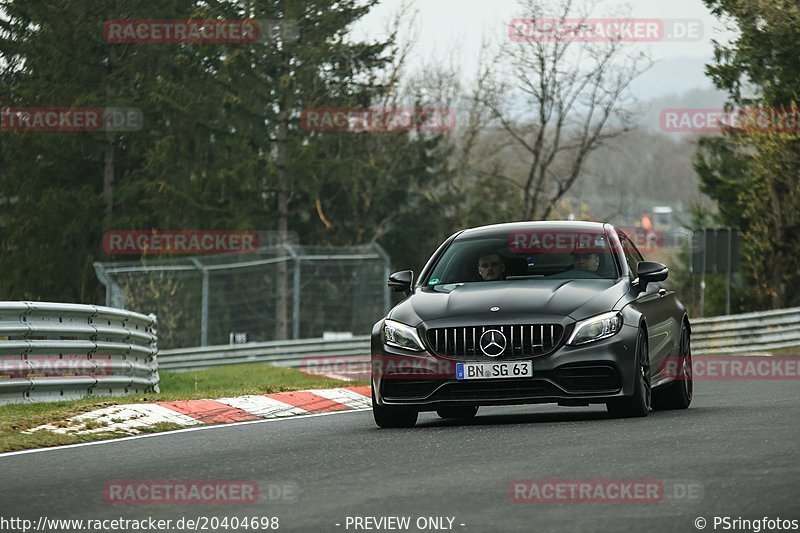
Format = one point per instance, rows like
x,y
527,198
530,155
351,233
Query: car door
x,y
658,304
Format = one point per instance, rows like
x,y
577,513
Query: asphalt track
x,y
737,448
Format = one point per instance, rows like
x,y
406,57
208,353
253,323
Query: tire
x,y
639,403
678,394
391,416
463,412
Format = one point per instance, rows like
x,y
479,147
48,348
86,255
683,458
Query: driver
x,y
491,267
588,262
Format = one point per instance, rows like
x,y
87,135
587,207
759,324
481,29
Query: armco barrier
x,y
747,333
735,334
56,351
280,353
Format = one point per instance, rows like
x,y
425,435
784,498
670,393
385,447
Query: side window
x,y
632,255
636,254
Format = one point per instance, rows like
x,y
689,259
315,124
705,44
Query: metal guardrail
x,y
747,333
293,354
57,351
743,334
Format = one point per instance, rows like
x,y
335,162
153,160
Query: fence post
x,y
387,297
296,300
295,291
703,278
115,296
203,304
728,289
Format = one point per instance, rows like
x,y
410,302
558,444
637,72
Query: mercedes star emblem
x,y
492,342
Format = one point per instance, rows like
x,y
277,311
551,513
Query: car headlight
x,y
596,328
401,336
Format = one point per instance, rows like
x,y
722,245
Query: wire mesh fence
x,y
280,292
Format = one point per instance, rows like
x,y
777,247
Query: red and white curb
x,y
130,419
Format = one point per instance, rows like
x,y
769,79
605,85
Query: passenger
x,y
587,262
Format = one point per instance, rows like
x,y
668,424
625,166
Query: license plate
x,y
522,369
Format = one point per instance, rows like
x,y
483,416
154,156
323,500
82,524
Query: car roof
x,y
539,225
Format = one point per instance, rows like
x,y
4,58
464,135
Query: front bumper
x,y
570,375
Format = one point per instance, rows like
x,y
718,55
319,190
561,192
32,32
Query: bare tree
x,y
567,97
466,189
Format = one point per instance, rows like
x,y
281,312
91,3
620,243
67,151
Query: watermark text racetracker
x,y
427,119
180,492
389,366
64,119
592,241
197,492
605,30
734,367
561,490
711,120
42,365
176,242
127,31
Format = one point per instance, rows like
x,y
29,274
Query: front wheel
x,y
678,394
639,403
392,416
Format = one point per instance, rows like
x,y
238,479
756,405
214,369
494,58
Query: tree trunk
x,y
282,292
108,155
108,179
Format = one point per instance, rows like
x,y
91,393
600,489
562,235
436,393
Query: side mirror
x,y
651,271
401,281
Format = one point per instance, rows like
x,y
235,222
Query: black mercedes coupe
x,y
531,312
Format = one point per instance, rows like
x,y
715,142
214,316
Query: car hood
x,y
577,299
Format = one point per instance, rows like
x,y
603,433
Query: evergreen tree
x,y
753,172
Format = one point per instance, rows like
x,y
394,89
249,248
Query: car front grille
x,y
522,341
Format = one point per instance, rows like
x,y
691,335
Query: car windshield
x,y
526,254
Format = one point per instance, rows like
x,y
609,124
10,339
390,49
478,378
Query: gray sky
x,y
453,29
